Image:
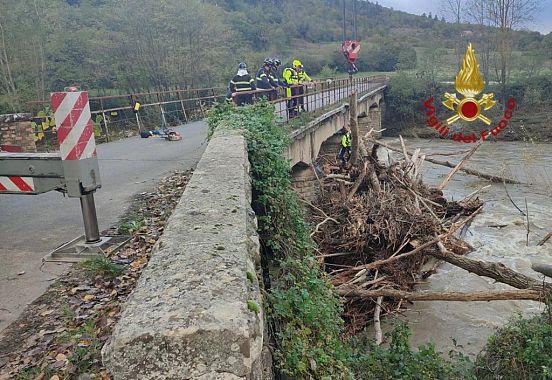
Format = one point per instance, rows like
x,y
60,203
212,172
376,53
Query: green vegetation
x,y
110,47
102,266
399,361
520,350
302,302
131,224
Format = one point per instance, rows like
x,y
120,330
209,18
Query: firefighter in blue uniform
x,y
242,82
265,81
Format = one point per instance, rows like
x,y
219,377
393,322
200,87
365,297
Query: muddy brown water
x,y
498,234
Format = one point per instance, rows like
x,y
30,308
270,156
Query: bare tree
x,y
454,9
507,15
478,13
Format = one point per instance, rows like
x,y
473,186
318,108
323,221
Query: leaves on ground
x,y
60,335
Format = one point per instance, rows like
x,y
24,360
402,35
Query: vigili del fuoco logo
x,y
470,84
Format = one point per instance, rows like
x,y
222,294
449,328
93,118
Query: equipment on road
x,y
165,133
73,171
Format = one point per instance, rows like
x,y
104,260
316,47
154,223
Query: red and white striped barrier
x,y
75,131
16,185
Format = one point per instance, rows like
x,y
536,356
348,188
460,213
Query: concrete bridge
x,y
190,315
321,136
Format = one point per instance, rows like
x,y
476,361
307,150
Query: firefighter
x,y
303,77
346,144
264,82
242,82
291,80
275,76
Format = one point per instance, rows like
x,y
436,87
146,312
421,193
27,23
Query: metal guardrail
x,y
113,116
315,95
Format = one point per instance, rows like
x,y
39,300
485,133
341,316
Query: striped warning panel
x,y
75,131
16,184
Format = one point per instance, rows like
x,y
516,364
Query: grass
x,y
102,266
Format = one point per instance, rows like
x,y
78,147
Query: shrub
x,y
399,361
520,350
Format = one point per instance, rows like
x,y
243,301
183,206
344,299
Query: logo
x,y
469,83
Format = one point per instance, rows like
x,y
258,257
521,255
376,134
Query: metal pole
x,y
91,230
138,122
106,127
344,30
355,19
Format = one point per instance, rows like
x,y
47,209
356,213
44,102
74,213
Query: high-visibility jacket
x,y
303,77
242,83
263,80
346,141
291,78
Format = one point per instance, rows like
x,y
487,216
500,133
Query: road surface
x,y
31,226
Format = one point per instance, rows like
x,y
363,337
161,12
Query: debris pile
x,y
373,223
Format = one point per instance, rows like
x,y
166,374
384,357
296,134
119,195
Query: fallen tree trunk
x,y
489,177
496,271
523,294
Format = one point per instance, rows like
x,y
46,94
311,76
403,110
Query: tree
x,y
454,9
507,15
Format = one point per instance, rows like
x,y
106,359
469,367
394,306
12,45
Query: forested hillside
x,y
128,45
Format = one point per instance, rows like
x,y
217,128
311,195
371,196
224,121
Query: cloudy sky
x,y
542,22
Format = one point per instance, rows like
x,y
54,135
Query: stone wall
x,y
16,133
196,312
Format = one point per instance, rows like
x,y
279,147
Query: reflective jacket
x,y
291,78
242,83
303,77
263,80
346,141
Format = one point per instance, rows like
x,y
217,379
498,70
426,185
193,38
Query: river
x,y
470,323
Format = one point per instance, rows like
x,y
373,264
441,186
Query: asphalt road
x,y
32,226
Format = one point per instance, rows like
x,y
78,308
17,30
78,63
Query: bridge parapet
x,y
196,312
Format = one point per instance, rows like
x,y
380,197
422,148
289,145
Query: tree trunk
x,y
353,123
524,294
496,271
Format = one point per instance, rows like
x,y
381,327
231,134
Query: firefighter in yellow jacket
x,y
291,79
302,78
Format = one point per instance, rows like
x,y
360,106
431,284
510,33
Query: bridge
x,y
189,316
200,284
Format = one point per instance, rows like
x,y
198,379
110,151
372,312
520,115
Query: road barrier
x,y
73,171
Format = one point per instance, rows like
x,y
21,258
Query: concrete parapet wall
x,y
196,312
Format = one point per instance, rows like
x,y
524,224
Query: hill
x,y
128,45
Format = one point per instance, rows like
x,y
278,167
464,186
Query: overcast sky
x,y
542,22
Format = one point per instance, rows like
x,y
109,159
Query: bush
x,y
520,350
399,361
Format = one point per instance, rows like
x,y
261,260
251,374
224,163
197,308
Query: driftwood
x,y
523,294
545,239
377,324
489,177
459,166
496,271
